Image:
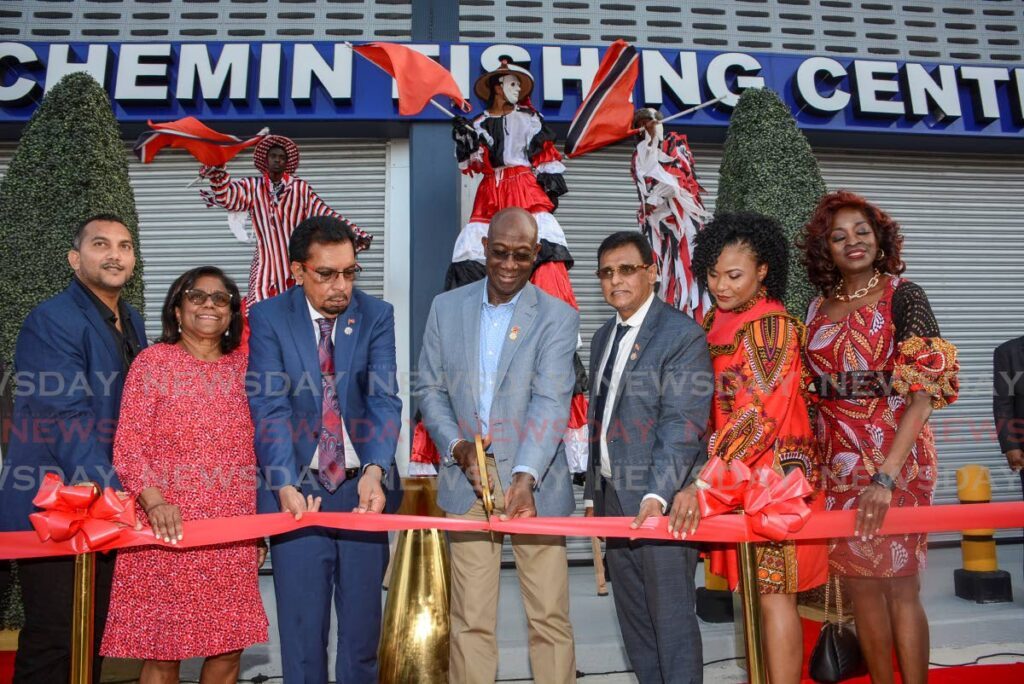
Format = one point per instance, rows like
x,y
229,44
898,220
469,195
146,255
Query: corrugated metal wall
x,y
961,216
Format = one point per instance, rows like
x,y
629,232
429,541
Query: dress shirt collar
x,y
637,319
314,315
511,302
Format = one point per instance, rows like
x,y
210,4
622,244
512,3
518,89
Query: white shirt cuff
x,y
529,471
588,503
664,504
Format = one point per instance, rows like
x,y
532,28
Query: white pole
x,y
702,105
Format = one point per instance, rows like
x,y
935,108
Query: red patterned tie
x,y
331,456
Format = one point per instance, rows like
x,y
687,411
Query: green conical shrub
x,y
70,164
768,167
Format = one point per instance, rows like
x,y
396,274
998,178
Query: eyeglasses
x,y
199,297
503,255
624,270
330,275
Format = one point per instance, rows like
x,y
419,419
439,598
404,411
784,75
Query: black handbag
x,y
836,655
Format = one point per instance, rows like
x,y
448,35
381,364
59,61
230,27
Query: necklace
x,y
862,292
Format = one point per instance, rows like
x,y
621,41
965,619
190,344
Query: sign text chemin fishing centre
x,y
326,81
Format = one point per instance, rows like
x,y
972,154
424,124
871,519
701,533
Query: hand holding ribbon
x,y
81,515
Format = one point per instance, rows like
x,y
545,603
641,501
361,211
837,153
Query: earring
x,y
881,255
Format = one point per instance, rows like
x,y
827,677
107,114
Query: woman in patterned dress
x,y
184,446
759,414
879,367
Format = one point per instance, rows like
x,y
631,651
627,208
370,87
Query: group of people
x,y
288,401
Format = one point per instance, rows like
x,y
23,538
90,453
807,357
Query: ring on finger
x,y
869,515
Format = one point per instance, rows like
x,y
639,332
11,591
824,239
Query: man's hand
x,y
1015,459
872,505
649,209
293,502
465,455
649,508
371,492
519,498
684,517
261,552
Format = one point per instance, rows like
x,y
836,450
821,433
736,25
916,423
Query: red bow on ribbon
x,y
80,515
774,505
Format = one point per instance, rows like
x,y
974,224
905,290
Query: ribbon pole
x,y
83,614
751,613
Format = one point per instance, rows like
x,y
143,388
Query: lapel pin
x,y
514,333
633,356
348,328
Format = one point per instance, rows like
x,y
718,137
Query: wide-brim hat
x,y
482,87
259,155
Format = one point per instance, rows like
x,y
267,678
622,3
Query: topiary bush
x,y
70,164
768,167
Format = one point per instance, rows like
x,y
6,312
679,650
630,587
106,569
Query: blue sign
x,y
267,82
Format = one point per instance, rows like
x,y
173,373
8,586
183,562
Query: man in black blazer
x,y
1008,402
649,405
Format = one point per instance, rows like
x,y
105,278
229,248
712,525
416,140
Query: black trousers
x,y
47,590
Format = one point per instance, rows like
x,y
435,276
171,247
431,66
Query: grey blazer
x,y
659,420
532,392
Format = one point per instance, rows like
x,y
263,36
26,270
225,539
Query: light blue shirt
x,y
494,329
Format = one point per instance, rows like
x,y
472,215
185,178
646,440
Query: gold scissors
x,y
485,486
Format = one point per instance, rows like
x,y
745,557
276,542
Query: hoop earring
x,y
881,255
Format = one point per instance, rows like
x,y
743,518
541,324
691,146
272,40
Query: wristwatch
x,y
883,480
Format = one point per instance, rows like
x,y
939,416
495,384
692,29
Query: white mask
x,y
510,87
658,134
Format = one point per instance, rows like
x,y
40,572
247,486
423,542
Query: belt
x,y
350,473
853,385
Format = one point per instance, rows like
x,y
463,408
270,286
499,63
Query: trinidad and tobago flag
x,y
202,142
419,78
606,115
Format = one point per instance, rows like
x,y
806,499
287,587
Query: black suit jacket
x,y
1008,394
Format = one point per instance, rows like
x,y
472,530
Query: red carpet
x,y
967,674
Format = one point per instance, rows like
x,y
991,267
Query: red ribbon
x,y
718,529
773,505
79,515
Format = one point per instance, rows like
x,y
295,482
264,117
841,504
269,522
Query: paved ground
x,y
961,630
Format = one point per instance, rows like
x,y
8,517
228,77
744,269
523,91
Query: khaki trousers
x,y
543,570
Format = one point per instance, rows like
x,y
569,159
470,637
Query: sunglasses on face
x,y
330,275
626,270
503,255
199,297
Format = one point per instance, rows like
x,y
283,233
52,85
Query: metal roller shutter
x,y
961,218
178,231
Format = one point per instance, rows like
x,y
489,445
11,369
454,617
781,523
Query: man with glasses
x,y
72,356
323,390
649,408
497,363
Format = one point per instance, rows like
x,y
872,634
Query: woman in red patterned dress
x,y
759,415
879,367
184,446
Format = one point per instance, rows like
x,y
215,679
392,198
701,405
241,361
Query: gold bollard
x,y
414,630
980,579
747,552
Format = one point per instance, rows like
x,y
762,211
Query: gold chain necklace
x,y
862,292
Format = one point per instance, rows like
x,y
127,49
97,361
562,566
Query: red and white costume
x,y
273,210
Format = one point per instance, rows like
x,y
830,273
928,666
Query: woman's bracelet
x,y
147,511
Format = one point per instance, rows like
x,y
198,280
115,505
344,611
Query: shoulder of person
x,y
55,310
371,305
906,288
1010,345
672,322
552,305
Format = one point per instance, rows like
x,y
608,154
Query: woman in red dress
x,y
759,415
184,446
879,367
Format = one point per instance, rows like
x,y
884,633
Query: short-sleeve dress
x,y
760,417
864,369
185,428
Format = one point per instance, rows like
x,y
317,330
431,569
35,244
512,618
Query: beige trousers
x,y
543,571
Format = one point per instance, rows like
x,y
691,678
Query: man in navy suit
x,y
323,390
71,359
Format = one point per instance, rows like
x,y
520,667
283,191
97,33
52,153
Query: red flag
x,y
419,78
606,115
203,143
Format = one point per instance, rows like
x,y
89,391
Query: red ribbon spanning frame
x,y
76,519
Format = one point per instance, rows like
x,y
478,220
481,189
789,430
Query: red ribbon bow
x,y
80,515
774,505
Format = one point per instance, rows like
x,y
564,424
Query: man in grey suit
x,y
649,409
497,362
